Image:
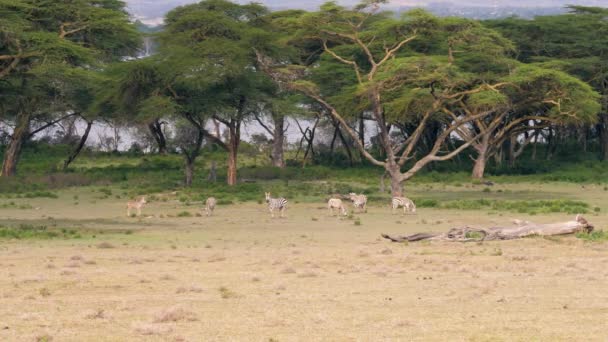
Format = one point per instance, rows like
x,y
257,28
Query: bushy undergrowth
x,y
13,205
28,231
148,174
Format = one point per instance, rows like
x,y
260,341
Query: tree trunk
x,y
383,183
78,148
188,171
277,154
13,151
309,136
191,155
603,133
579,224
346,147
480,167
482,157
396,180
512,142
333,141
396,185
534,148
362,132
233,149
212,172
232,167
156,129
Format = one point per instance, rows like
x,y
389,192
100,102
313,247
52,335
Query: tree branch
x,y
334,114
63,33
343,60
259,120
49,124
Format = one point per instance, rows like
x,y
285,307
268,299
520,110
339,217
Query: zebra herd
x,y
359,204
280,204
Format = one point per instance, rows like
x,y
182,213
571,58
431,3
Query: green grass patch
x,y
474,235
40,194
28,231
13,205
595,236
532,207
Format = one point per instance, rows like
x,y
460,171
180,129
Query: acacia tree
x,y
576,42
539,98
271,115
389,80
129,93
81,101
210,43
43,41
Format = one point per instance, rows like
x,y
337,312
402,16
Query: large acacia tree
x,y
397,71
210,46
43,46
539,98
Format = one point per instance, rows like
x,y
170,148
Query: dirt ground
x,y
240,275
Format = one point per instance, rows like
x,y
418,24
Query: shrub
x,y
184,214
36,194
426,203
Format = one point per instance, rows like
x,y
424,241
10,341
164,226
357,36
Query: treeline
x,y
432,88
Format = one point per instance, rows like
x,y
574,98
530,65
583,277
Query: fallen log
x,y
522,229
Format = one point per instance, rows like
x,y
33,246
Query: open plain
x,y
240,275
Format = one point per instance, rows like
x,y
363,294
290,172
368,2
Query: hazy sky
x,y
152,11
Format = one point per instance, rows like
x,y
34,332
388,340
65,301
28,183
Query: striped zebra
x,y
406,203
210,205
359,201
335,203
275,204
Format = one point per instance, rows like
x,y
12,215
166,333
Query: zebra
x,y
138,204
406,203
359,201
335,203
210,205
275,203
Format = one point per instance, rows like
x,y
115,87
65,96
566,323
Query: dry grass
x,y
147,329
105,245
175,314
295,279
95,314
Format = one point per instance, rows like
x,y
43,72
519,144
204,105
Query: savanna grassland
x,y
478,122
74,268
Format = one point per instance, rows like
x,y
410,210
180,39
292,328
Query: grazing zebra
x,y
275,203
136,205
359,201
406,203
335,203
210,205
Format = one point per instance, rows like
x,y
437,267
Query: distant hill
x,y
151,12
